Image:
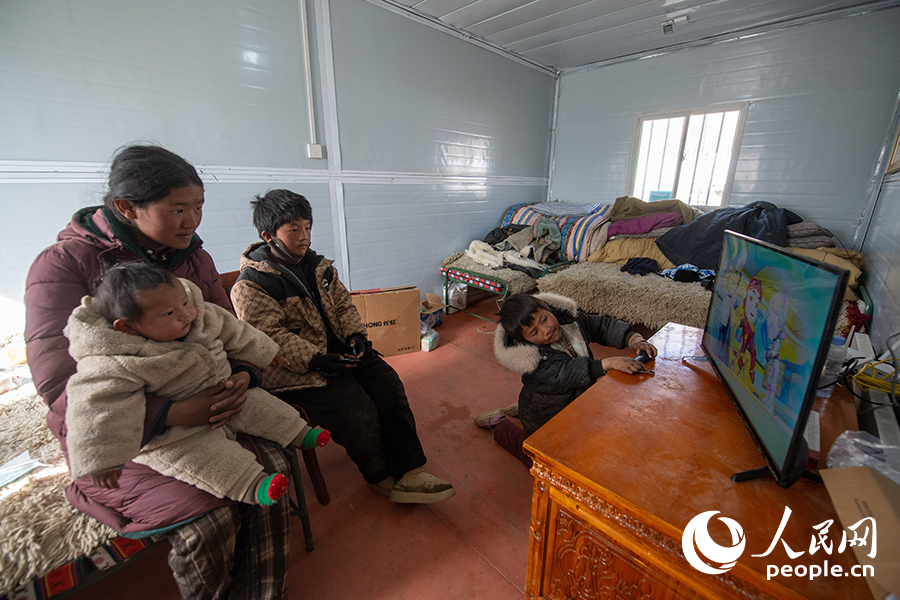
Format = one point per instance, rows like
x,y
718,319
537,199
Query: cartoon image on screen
x,y
770,322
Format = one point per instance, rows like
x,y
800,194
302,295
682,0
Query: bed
x,y
599,244
577,227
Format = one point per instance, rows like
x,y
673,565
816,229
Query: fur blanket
x,y
651,300
39,529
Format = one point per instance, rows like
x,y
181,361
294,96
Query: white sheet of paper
x,y
17,467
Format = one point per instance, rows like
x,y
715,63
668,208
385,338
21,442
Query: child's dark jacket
x,y
551,377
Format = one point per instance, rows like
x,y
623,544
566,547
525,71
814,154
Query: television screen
x,y
771,319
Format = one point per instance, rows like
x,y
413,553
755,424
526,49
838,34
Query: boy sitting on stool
x,y
291,293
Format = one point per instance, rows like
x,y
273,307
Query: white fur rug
x,y
39,529
651,300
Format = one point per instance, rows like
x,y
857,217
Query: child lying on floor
x,y
547,339
147,331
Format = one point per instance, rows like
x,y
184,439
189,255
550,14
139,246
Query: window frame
x,y
741,107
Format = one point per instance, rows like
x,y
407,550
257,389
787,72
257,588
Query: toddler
x,y
147,331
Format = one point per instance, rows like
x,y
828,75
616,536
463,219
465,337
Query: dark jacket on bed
x,y
551,377
699,242
59,277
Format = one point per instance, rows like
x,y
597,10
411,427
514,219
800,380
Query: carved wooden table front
x,y
621,471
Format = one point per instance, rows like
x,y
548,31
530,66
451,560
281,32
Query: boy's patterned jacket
x,y
274,300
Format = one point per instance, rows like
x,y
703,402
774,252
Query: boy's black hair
x,y
146,174
115,294
518,312
278,207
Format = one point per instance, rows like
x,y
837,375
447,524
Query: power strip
x,y
861,348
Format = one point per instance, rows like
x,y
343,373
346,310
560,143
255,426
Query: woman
x,y
150,213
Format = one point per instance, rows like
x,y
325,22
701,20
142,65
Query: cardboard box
x,y
391,317
859,493
432,311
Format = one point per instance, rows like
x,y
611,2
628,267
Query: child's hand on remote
x,y
107,479
638,343
279,362
626,364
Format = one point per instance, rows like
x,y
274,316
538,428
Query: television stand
x,y
610,506
793,472
765,472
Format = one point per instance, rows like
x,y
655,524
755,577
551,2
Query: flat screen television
x,y
771,319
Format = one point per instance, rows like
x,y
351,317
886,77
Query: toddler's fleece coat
x,y
105,413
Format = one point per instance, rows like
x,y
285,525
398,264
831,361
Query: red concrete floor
x,y
472,545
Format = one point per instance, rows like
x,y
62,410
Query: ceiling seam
x,y
465,35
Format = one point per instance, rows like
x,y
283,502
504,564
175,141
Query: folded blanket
x,y
808,235
627,207
804,229
621,249
814,241
645,224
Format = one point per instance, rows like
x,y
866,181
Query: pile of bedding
x,y
531,240
633,228
676,248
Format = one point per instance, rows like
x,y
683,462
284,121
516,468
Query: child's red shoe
x,y
315,437
271,489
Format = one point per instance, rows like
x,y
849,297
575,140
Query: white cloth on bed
x,y
485,254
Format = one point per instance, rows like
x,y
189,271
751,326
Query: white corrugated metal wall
x,y
427,138
882,250
437,138
821,96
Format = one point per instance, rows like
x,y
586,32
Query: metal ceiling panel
x,y
569,34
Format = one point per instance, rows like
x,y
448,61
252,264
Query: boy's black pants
x,y
368,414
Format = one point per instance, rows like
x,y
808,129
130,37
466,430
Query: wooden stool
x,y
298,504
312,466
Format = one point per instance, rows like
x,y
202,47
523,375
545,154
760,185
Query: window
x,y
690,155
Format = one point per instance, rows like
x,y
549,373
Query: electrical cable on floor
x,y
499,306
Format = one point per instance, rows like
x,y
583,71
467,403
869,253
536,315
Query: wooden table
x,y
622,470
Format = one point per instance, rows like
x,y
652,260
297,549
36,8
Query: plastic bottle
x,y
837,354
